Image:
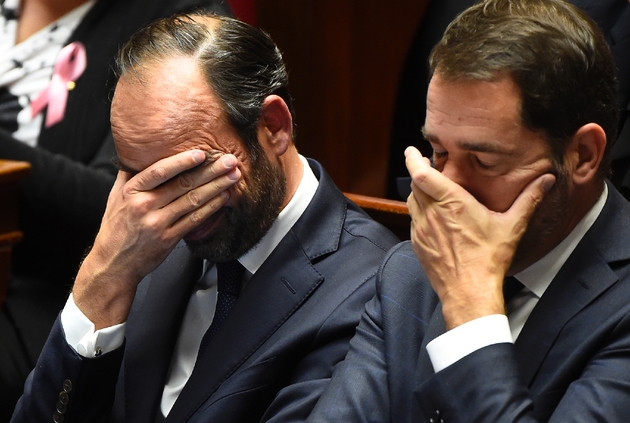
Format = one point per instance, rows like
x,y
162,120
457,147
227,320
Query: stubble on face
x,y
547,226
244,225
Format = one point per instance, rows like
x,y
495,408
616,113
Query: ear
x,y
585,153
276,125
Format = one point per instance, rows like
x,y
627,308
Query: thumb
x,y
529,199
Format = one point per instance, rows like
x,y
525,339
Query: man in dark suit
x,y
157,328
520,106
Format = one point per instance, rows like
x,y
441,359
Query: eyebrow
x,y
474,146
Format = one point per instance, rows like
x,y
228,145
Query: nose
x,y
454,173
468,180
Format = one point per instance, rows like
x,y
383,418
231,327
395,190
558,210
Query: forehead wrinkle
x,y
195,123
172,117
173,109
474,117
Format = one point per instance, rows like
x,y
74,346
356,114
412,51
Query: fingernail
x,y
198,156
234,175
228,160
225,195
548,183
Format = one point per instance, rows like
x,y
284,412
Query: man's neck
x,y
293,170
562,248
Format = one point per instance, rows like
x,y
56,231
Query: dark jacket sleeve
x,y
358,391
485,386
62,387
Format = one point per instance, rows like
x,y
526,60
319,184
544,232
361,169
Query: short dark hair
x,y
241,64
555,54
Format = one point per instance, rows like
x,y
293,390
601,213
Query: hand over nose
x,y
465,248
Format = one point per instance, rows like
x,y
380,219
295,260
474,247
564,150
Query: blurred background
x,y
344,59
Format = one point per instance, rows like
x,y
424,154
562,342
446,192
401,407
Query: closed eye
x,y
484,163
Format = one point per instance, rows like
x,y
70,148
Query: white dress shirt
x,y
494,329
81,336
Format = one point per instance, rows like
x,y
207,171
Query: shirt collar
x,y
539,275
256,256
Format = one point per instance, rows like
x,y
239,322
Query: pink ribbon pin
x,y
69,66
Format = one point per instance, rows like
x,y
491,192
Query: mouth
x,y
205,229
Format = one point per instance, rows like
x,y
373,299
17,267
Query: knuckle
x,y
141,204
196,217
193,198
458,209
151,223
419,176
410,201
157,173
127,191
186,181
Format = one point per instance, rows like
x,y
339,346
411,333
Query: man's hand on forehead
x,y
210,157
182,174
147,214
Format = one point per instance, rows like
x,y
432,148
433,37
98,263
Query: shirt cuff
x,y
82,337
465,339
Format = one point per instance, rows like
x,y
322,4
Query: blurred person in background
x,y
56,81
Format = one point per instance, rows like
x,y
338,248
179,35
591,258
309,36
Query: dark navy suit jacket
x,y
272,356
571,361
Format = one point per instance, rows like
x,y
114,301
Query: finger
x,y
415,161
415,211
121,179
184,184
191,220
196,198
165,169
412,204
529,199
207,172
425,177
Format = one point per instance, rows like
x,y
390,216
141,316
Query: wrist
x,y
104,297
462,307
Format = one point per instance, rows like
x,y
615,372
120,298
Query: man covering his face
x,y
229,272
511,302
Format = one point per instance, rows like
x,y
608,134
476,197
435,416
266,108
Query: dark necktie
x,y
511,287
229,280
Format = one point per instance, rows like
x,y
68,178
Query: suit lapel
x,y
152,330
284,281
567,295
584,277
269,298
